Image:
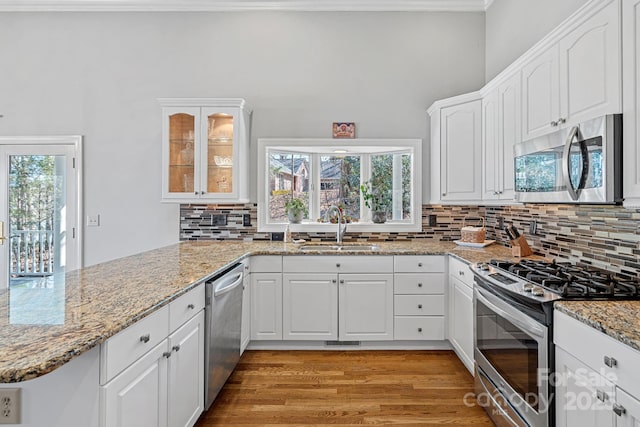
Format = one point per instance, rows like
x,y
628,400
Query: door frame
x,y
74,141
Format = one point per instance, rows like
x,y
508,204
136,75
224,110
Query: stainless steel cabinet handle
x,y
166,354
610,362
419,264
341,282
176,347
191,306
338,265
562,120
461,273
619,410
419,305
334,281
145,338
444,194
419,329
601,395
419,285
553,123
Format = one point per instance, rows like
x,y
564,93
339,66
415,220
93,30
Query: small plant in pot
x,y
296,209
377,200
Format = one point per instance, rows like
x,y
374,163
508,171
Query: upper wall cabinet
x,y
577,78
501,116
456,135
205,150
631,87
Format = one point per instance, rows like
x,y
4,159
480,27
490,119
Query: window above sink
x,y
325,172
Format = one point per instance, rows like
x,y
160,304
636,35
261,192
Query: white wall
x,y
99,75
513,26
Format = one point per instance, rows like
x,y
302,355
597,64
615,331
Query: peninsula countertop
x,y
41,330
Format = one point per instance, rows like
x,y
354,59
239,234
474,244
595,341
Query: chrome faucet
x,y
341,230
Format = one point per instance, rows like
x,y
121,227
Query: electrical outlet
x,y
9,406
93,221
218,220
277,237
533,227
432,220
500,222
246,220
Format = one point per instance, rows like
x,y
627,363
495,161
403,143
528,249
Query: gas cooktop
x,y
568,280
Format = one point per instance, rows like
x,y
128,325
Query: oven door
x,y
512,360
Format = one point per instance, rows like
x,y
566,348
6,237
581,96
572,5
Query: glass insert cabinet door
x,y
205,150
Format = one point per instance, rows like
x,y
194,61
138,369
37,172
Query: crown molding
x,y
244,5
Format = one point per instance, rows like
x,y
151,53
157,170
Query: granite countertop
x,y
42,328
618,319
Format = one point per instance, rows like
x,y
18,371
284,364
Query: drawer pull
x,y
419,329
419,264
619,410
461,273
341,281
145,338
601,395
610,362
338,265
191,306
420,306
333,281
166,354
419,285
176,347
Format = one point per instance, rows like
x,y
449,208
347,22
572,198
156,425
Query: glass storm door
x,y
38,209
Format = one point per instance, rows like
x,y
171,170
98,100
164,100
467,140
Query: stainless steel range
x,y
513,339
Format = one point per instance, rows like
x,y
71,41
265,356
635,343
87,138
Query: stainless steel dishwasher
x,y
223,314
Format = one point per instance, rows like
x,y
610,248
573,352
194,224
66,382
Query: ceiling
x,y
244,5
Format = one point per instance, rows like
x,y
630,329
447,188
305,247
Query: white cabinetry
x,y
245,328
419,297
456,144
461,311
152,378
599,383
338,298
266,297
631,87
577,78
205,150
501,114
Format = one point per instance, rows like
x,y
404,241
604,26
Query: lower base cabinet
x,y
461,311
162,386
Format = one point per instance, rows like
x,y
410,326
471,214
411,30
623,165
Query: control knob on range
x,y
484,266
528,287
537,291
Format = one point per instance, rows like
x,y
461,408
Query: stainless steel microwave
x,y
579,164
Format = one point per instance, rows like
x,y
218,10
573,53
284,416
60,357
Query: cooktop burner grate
x,y
573,281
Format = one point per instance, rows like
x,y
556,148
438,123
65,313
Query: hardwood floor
x,y
346,388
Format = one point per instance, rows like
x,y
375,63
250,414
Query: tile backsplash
x,y
603,236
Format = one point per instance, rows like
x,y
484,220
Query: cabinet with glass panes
x,y
205,145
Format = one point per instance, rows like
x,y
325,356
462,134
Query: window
x,y
326,172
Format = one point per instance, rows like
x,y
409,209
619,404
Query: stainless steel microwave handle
x,y
512,315
566,164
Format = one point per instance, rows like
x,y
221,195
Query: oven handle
x,y
566,166
527,324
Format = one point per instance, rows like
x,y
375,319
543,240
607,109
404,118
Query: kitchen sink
x,y
339,248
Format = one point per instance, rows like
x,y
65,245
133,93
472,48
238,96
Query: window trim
x,y
412,145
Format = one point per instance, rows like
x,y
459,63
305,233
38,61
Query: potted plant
x,y
296,209
377,200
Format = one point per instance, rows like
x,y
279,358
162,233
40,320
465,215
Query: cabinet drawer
x,y
460,270
418,263
418,328
418,283
266,264
185,307
418,305
127,346
591,346
337,264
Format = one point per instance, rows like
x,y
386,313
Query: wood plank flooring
x,y
346,388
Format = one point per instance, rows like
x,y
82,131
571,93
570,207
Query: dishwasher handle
x,y
227,283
